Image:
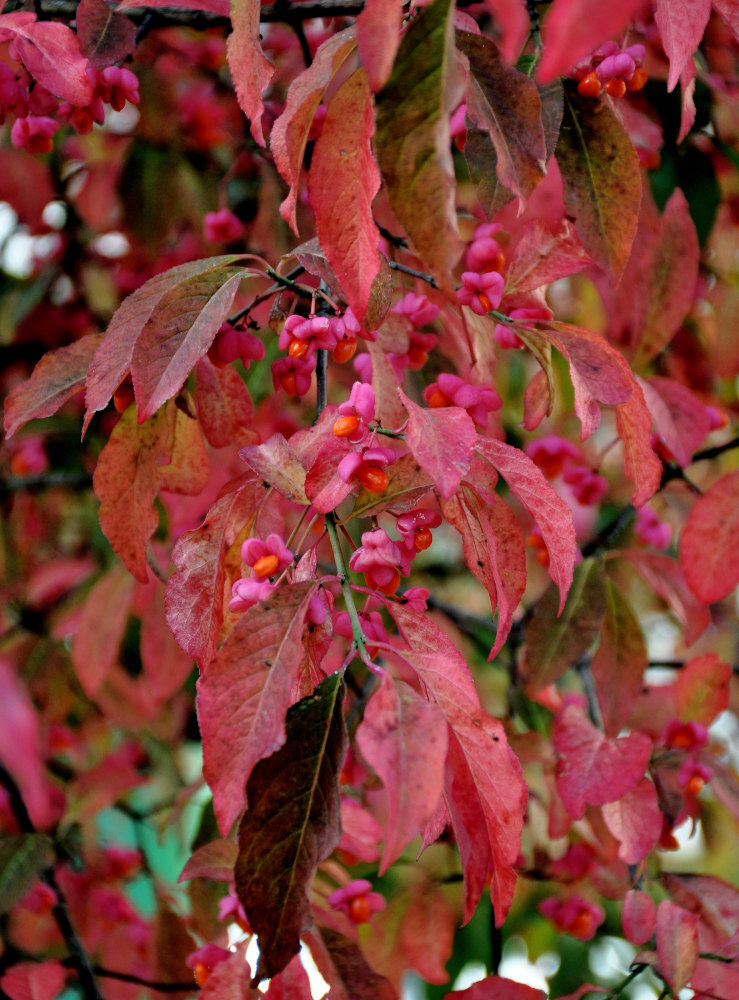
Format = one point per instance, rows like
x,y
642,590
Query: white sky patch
x,y
318,985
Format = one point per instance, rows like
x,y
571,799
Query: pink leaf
x,y
251,71
342,184
549,511
512,23
106,37
681,25
51,53
635,821
710,534
29,981
403,737
495,553
541,256
619,662
100,629
643,467
677,943
195,593
378,37
573,28
500,989
290,131
593,769
245,692
441,440
702,689
276,463
638,916
55,379
215,860
225,408
680,417
484,790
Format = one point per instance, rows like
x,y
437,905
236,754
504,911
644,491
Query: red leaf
x,y
112,360
292,824
250,69
427,934
557,638
484,790
106,37
512,23
290,984
187,470
638,916
225,408
601,179
499,988
25,183
549,511
100,629
343,965
378,37
277,464
635,821
679,415
195,593
495,552
619,662
677,943
681,25
403,738
290,131
342,184
29,981
710,534
643,467
246,690
573,28
126,481
51,53
412,139
505,105
702,689
592,768
55,379
664,575
542,256
215,860
441,441
178,333
165,665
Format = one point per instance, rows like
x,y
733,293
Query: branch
x,y
127,977
429,279
45,481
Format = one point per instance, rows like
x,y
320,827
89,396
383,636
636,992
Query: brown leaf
x,y
106,37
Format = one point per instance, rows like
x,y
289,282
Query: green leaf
x,y
553,644
601,180
292,824
22,858
412,139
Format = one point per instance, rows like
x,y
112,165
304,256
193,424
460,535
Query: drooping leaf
x,y
290,984
664,575
412,138
635,820
276,463
292,824
619,662
388,408
574,28
643,467
250,69
106,37
484,790
677,943
702,689
343,965
681,25
25,183
542,255
506,106
378,37
215,860
112,360
23,857
638,916
680,417
555,644
225,408
710,534
181,328
342,183
55,379
188,468
195,593
549,511
494,550
441,440
593,769
245,692
290,131
498,987
126,482
403,737
51,53
601,180
100,628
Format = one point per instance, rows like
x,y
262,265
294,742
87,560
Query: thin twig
x,y
429,279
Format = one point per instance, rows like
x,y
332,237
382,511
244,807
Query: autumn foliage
x,y
387,605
